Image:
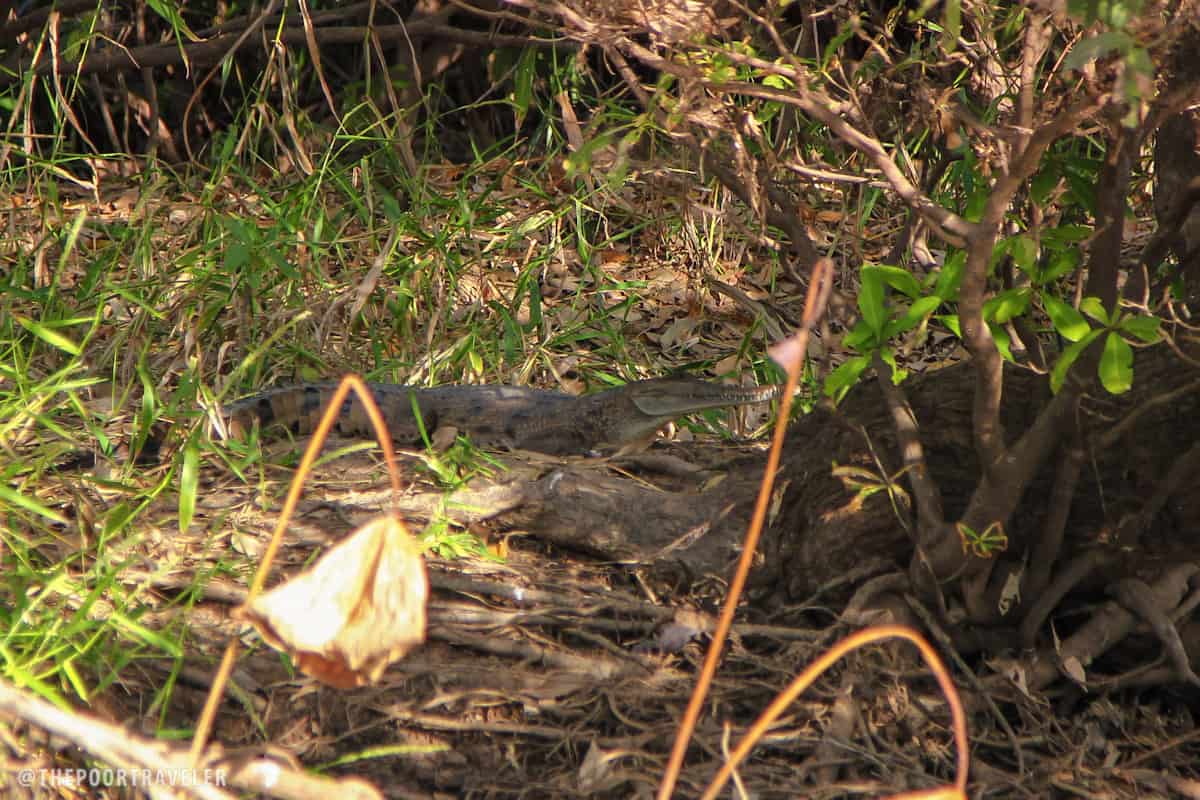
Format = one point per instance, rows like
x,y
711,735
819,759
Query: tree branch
x,y
977,337
925,490
208,52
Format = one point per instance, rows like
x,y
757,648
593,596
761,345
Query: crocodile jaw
x,y
674,397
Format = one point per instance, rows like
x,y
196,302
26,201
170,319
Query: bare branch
x,y
1036,39
123,748
977,337
908,438
821,107
208,52
950,226
1048,547
781,213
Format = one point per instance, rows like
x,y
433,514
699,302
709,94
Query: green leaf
x,y
778,82
951,322
15,498
899,279
1006,305
870,300
49,335
1096,47
870,199
1044,183
1003,342
950,276
237,257
189,480
1024,251
1144,328
913,317
841,379
523,80
1116,364
1082,193
1139,61
861,338
721,70
146,634
848,30
1062,235
1094,308
535,308
1069,323
1082,178
952,25
170,13
889,358
976,203
149,409
1113,13
1061,263
1069,356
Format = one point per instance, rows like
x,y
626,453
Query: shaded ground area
x,y
553,672
562,653
571,598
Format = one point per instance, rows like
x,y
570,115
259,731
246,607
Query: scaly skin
x,y
502,417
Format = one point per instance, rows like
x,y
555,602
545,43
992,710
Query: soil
x,y
559,662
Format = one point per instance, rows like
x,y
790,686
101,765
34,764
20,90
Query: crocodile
x,y
500,417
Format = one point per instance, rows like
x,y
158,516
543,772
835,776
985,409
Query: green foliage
x,y
882,320
1116,361
1058,257
985,544
1113,13
249,268
1119,40
245,271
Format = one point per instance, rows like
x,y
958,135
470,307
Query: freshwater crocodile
x,y
501,417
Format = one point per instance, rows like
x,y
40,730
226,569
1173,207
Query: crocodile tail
x,y
298,409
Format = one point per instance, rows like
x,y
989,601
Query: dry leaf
x,y
1072,667
611,257
595,772
680,333
787,355
728,365
358,609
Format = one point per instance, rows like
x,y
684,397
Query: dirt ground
x,y
553,673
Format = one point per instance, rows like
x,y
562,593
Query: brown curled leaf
x,y
358,609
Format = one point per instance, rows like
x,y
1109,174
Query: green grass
x,y
183,289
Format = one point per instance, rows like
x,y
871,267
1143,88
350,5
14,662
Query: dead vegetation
x,y
570,195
